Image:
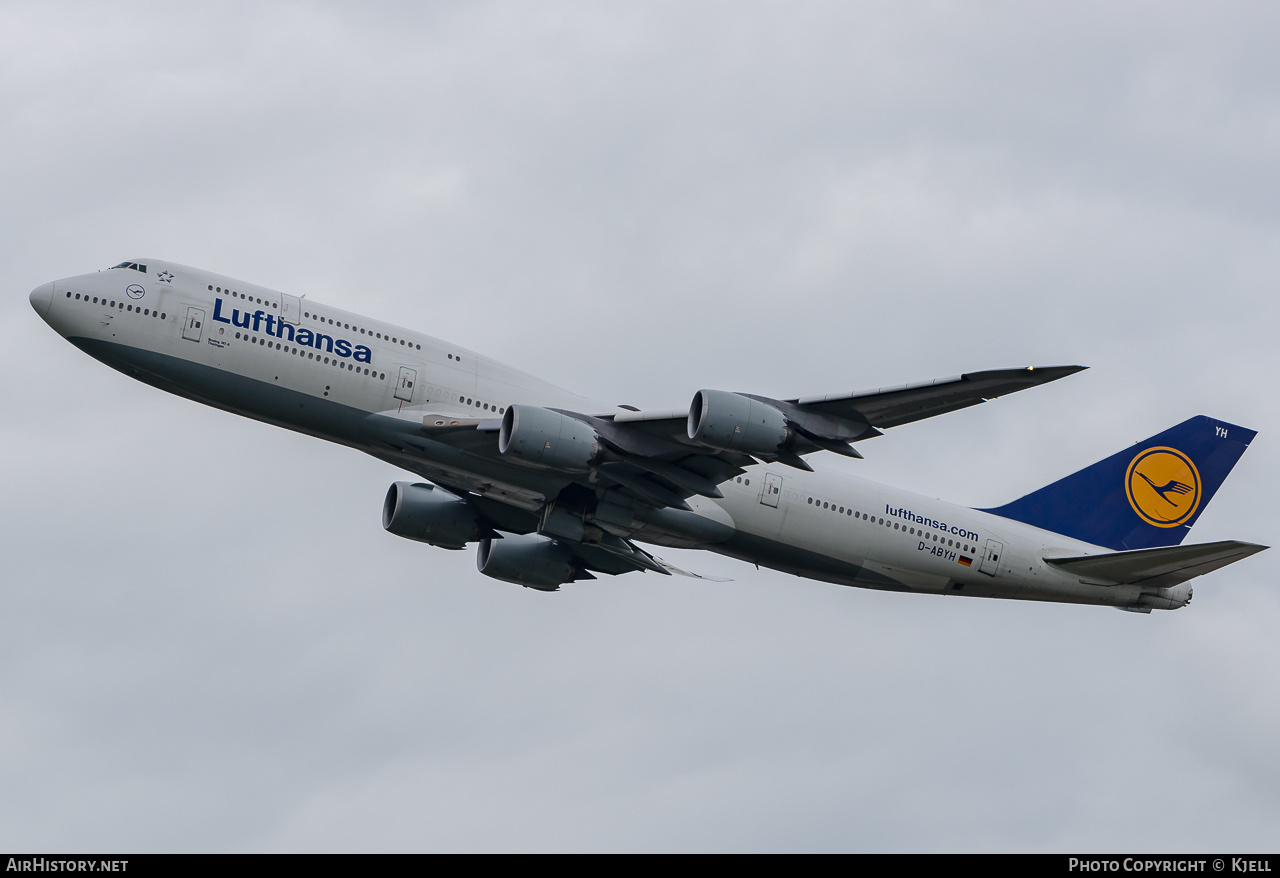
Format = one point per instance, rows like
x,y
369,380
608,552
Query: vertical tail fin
x,y
1143,497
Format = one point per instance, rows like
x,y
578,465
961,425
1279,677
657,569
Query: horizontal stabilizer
x,y
1159,568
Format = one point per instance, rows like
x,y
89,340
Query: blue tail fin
x,y
1145,496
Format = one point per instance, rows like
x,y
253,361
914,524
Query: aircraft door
x,y
404,383
290,308
991,557
194,326
772,490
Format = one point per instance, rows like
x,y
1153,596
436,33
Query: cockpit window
x,y
135,266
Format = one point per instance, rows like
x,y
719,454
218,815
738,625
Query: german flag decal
x,y
968,562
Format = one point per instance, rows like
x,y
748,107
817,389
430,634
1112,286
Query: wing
x,y
894,406
659,459
832,421
564,549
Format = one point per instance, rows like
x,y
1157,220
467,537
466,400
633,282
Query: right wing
x,y
894,406
832,421
656,460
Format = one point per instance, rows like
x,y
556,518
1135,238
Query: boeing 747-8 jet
x,y
555,488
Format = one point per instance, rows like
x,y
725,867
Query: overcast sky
x,y
210,644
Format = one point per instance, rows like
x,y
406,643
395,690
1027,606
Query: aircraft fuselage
x,y
369,385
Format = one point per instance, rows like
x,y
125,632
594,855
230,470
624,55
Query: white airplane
x,y
555,487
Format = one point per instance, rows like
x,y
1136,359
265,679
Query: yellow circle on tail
x,y
1163,486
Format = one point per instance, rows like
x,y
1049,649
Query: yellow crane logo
x,y
1163,486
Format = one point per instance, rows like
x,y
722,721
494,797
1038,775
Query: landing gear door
x,y
772,490
991,557
404,383
194,326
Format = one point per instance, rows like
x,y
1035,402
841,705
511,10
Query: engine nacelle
x,y
733,422
430,515
526,559
540,437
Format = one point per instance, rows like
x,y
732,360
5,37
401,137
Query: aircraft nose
x,y
42,298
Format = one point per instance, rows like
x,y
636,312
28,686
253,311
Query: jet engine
x,y
527,559
540,437
430,515
733,422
